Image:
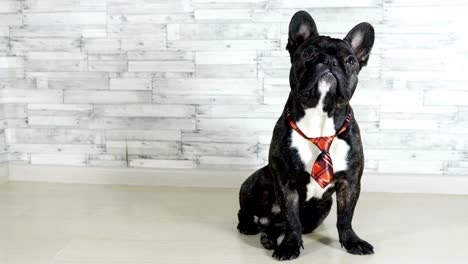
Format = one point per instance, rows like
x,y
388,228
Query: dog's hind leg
x,y
313,212
251,199
246,214
246,224
271,232
269,239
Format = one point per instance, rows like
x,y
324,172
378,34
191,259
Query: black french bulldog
x,y
282,197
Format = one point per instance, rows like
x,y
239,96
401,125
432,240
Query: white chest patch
x,y
316,123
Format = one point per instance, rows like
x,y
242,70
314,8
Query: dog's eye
x,y
351,61
308,53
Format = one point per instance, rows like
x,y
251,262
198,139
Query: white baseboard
x,y
399,183
4,175
126,176
396,183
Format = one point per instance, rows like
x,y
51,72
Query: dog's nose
x,y
329,60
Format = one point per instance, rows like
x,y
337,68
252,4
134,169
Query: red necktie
x,y
322,170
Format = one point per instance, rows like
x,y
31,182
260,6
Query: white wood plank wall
x,y
200,83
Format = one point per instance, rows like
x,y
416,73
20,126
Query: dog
x,y
292,195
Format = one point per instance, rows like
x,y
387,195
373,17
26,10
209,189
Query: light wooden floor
x,y
71,224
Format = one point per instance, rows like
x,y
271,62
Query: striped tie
x,y
322,170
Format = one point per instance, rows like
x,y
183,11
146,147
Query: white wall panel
x,y
201,83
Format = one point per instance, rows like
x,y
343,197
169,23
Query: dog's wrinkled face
x,y
317,59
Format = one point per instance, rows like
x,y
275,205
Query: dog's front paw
x,y
286,252
288,249
357,246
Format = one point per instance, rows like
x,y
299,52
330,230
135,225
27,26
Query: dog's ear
x,y
361,39
301,27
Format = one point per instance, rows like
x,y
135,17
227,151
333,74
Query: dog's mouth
x,y
334,90
325,83
329,78
337,88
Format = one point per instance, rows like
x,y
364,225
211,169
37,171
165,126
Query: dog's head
x,y
320,61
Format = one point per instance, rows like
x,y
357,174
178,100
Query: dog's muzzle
x,y
330,79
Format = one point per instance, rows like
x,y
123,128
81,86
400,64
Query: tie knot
x,y
323,143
